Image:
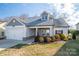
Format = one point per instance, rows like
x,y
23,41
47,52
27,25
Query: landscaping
x,y
39,49
48,39
44,46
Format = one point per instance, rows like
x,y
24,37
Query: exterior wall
x,y
65,30
30,32
22,31
16,33
2,28
19,31
51,29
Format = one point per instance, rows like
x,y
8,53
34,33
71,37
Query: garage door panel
x,y
15,33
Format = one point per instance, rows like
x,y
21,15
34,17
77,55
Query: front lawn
x,y
71,48
48,49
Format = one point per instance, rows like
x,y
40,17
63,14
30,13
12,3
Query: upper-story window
x,y
44,17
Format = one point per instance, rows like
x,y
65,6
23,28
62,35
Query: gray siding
x,y
12,23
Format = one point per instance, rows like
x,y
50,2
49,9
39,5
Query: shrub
x,y
74,36
47,39
41,39
70,36
36,39
57,37
53,39
62,36
66,38
76,32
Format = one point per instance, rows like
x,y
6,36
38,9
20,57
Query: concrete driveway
x,y
6,43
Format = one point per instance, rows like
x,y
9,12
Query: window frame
x,y
58,31
45,17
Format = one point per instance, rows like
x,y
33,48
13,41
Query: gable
x,y
14,22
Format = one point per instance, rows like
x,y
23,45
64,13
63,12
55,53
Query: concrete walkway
x,y
6,43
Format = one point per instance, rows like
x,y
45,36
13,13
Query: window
x,y
44,17
59,32
2,33
47,32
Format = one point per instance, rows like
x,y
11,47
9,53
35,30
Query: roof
x,y
60,22
34,23
50,22
44,13
37,21
14,21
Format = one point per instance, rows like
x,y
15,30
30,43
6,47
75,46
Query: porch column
x,y
51,31
36,31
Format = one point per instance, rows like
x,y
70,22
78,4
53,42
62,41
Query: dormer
x,y
44,16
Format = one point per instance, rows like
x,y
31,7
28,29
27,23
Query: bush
x,y
57,37
74,36
66,38
76,32
36,39
53,39
41,39
47,39
62,36
70,36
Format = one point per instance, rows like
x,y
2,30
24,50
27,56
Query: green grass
x,y
71,48
48,49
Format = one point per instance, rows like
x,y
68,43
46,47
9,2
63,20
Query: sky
x,y
18,9
70,10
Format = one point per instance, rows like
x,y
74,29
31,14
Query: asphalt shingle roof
x,y
55,22
37,21
60,22
34,23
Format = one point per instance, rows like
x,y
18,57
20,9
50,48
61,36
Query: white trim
x,y
36,31
19,21
40,27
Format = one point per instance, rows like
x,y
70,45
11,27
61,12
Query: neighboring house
x,y
44,25
77,26
2,29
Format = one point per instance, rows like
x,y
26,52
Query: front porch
x,y
42,31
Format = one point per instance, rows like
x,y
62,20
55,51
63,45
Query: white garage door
x,y
16,33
